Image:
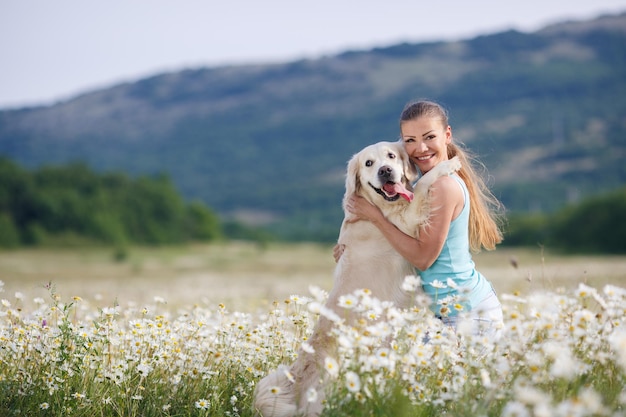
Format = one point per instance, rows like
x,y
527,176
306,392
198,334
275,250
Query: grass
x,y
187,331
242,275
246,276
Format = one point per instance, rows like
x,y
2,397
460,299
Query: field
x,y
245,276
189,331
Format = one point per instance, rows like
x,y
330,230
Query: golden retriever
x,y
382,173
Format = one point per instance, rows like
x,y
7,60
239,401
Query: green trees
x,y
596,225
73,203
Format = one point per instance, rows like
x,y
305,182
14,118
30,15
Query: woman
x,y
461,222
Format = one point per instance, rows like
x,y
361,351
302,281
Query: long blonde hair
x,y
484,229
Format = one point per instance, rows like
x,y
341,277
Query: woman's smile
x,y
426,141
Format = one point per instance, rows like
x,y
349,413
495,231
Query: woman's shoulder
x,y
448,183
448,189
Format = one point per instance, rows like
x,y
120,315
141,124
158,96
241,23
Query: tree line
x,y
73,204
595,225
70,204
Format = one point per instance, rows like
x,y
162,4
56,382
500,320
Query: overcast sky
x,y
54,49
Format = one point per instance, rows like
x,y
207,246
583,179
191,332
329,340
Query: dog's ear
x,y
352,176
410,170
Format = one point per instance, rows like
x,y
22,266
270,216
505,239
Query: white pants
x,y
485,319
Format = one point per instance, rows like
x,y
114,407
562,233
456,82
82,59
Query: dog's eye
x,y
391,155
369,163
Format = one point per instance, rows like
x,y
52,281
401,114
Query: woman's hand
x,y
361,209
358,209
338,251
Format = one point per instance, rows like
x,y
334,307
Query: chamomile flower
x,y
348,301
311,395
318,294
515,409
202,404
78,396
617,341
353,382
411,283
298,300
289,375
307,347
438,284
144,369
331,366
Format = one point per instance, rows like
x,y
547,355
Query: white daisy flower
x,y
353,383
411,283
331,366
347,301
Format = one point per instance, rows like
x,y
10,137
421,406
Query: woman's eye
x,y
369,163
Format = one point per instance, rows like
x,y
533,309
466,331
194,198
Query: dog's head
x,y
381,172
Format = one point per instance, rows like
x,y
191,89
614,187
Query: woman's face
x,y
426,141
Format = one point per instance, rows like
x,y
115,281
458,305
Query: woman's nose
x,y
420,146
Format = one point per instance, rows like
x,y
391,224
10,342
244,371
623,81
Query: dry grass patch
x,y
245,276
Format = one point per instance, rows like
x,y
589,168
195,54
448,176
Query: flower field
x,y
560,353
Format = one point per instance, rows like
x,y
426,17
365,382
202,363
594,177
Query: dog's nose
x,y
385,172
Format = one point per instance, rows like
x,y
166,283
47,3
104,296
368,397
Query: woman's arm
x,y
446,202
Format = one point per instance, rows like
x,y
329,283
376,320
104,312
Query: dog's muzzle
x,y
391,189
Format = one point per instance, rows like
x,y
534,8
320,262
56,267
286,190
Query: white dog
x,y
381,173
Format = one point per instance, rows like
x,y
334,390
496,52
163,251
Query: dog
x,y
382,173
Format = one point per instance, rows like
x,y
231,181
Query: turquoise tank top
x,y
452,282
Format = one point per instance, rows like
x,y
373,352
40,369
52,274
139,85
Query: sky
x,y
53,50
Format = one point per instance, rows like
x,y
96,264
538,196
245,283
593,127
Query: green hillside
x,y
72,205
268,144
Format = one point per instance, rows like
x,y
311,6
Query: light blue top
x,y
469,287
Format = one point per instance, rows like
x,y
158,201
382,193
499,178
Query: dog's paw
x,y
453,165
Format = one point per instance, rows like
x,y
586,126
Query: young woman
x,y
463,221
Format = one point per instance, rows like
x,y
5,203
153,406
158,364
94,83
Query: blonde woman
x,y
463,221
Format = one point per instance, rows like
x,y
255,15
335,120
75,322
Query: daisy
x,y
319,294
311,395
353,383
515,409
617,341
78,396
438,284
411,283
289,376
307,347
347,301
202,404
331,366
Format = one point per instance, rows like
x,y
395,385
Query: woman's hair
x,y
484,230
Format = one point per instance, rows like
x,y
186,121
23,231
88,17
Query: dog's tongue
x,y
398,188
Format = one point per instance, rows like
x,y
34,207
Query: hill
x,y
268,144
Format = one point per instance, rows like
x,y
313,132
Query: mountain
x,y
268,144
